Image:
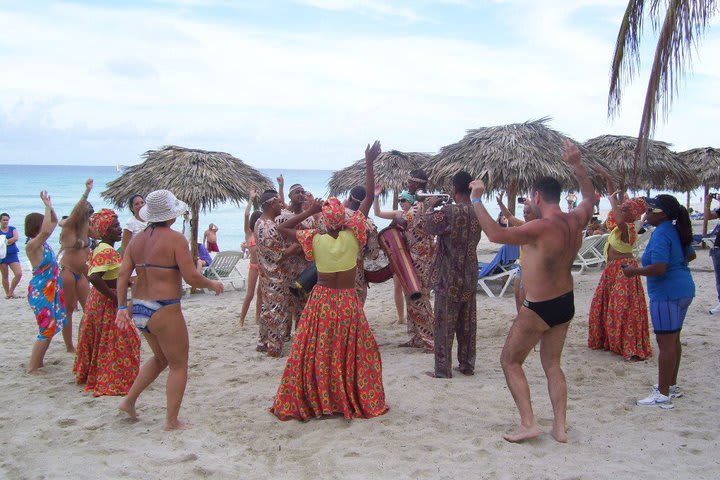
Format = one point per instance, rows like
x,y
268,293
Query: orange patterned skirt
x,y
108,358
618,314
334,364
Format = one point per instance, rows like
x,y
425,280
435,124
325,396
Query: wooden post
x,y
395,201
706,210
687,201
194,211
512,198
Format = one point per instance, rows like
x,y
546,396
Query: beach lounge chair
x,y
589,255
706,241
502,268
642,241
503,261
224,268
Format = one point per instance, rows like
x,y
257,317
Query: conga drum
x,y
305,282
393,244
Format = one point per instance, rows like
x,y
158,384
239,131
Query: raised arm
x,y
33,248
79,212
371,153
512,219
287,228
585,209
281,192
388,215
495,233
246,224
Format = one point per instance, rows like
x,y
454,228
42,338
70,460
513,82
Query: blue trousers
x,y
715,255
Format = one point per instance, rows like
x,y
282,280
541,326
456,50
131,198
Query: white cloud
x,y
273,97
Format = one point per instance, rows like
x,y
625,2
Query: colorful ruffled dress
x,y
334,364
108,358
618,319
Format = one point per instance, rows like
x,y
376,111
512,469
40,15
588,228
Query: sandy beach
x,y
50,428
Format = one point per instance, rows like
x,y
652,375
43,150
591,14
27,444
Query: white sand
x,y
50,428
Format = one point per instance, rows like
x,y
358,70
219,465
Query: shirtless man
x,y
550,244
74,245
210,238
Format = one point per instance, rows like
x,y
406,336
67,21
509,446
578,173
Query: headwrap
x,y
636,207
295,187
101,221
407,196
333,214
418,180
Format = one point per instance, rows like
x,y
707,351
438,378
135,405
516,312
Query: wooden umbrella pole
x,y
194,233
512,194
707,210
395,200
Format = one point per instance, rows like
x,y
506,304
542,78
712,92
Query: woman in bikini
x,y
75,250
405,201
162,259
254,271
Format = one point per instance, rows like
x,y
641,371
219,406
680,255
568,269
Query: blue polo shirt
x,y
665,247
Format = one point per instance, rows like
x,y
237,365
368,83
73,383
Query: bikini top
x,y
152,265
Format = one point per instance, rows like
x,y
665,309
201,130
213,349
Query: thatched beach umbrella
x,y
200,178
663,171
705,162
511,158
391,170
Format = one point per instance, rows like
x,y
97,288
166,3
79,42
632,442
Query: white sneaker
x,y
715,310
675,391
656,399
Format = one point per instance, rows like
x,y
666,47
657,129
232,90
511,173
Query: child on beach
x,y
45,294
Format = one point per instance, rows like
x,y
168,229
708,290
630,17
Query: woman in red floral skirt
x,y
618,318
334,364
108,357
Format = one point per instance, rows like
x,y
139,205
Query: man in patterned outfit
x,y
295,263
421,246
271,250
371,251
454,277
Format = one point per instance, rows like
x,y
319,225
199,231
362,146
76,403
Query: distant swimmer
x,y
550,244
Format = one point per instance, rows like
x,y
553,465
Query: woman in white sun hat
x,y
162,259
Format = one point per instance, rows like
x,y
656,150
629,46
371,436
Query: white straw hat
x,y
161,206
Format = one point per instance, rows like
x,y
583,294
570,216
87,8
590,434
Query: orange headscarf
x,y
101,221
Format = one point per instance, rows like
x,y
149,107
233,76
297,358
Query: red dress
x,y
108,358
618,318
334,364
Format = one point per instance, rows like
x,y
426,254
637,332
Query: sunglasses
x,y
402,200
654,210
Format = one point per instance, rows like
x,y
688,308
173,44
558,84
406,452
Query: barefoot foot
x,y
559,435
128,408
523,433
71,350
176,425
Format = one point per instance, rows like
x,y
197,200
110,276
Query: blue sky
x,y
307,83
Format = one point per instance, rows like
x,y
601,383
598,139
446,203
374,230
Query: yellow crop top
x,y
335,254
616,242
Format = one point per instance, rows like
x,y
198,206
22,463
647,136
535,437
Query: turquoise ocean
x,y
21,186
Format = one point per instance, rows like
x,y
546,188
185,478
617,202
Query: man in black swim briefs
x,y
550,244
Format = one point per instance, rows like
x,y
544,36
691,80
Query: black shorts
x,y
556,311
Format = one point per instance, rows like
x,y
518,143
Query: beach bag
x,y
3,246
